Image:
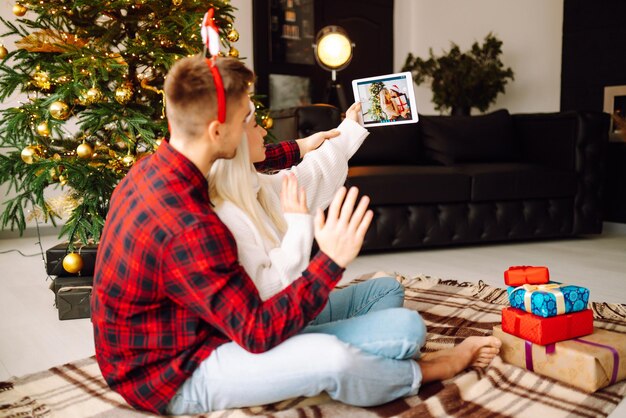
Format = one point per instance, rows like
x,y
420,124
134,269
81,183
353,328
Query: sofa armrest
x,y
570,141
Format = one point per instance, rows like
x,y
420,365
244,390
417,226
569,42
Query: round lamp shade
x,y
333,49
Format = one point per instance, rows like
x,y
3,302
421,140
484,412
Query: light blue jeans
x,y
361,350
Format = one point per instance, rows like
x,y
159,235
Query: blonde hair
x,y
190,96
233,180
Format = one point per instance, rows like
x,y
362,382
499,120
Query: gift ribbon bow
x,y
211,39
553,288
550,349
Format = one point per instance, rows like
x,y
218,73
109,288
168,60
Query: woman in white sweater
x,y
270,219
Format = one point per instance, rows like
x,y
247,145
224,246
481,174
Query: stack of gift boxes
x,y
72,274
549,330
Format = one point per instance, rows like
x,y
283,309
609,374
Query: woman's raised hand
x,y
292,197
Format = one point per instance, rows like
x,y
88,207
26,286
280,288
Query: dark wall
x,y
369,24
594,52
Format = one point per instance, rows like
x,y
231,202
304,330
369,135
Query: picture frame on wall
x,y
615,105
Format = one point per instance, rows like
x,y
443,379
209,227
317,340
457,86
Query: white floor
x,y
34,339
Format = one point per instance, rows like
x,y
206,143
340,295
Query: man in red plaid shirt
x,y
179,326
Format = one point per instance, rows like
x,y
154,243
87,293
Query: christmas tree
x,y
92,72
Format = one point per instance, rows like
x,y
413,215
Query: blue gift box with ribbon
x,y
549,299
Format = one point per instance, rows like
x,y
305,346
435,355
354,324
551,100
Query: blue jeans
x,y
360,350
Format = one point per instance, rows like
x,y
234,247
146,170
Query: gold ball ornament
x,y
30,154
41,80
3,52
84,151
268,122
233,35
19,10
93,95
73,263
59,110
43,129
123,94
128,160
233,52
177,2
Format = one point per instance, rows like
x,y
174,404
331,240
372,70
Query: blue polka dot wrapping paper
x,y
549,300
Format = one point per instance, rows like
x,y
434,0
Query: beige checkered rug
x,y
452,311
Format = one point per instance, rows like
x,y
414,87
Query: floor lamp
x,y
333,52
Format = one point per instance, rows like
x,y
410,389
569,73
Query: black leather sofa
x,y
474,179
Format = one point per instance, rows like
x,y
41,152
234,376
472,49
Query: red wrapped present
x,y
521,275
543,331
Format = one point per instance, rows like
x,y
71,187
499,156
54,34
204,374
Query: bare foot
x,y
473,351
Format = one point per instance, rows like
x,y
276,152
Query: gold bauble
x,y
30,154
93,95
73,263
59,110
123,94
84,150
19,10
233,35
233,52
177,2
41,80
43,129
268,122
3,52
128,160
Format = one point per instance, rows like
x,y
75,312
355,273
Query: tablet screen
x,y
386,99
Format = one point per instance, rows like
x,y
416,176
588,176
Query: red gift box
x,y
543,331
521,275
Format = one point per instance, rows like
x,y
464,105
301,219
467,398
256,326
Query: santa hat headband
x,y
211,40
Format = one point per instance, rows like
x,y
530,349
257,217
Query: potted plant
x,y
462,80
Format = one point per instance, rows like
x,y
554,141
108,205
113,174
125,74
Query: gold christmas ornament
x,y
59,110
233,35
3,52
84,151
93,95
43,129
19,10
41,80
73,263
128,160
268,122
123,94
62,180
177,2
233,52
31,153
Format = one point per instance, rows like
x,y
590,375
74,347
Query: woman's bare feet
x,y
473,351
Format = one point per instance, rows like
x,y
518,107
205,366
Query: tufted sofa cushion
x,y
397,145
506,181
401,184
463,139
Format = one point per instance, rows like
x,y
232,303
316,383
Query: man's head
x,y
191,99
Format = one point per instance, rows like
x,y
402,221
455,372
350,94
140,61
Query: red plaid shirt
x,y
168,288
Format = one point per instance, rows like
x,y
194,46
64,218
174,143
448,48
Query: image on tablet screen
x,y
386,99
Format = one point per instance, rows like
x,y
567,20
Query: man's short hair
x,y
190,97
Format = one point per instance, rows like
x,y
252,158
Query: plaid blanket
x,y
452,311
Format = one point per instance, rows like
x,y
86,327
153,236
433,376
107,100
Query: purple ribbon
x,y
528,348
612,350
529,356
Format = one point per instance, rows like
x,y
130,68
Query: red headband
x,y
210,36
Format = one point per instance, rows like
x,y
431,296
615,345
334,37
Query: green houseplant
x,y
462,80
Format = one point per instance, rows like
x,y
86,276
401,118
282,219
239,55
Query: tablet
x,y
386,100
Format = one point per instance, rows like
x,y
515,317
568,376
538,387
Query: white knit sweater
x,y
322,172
